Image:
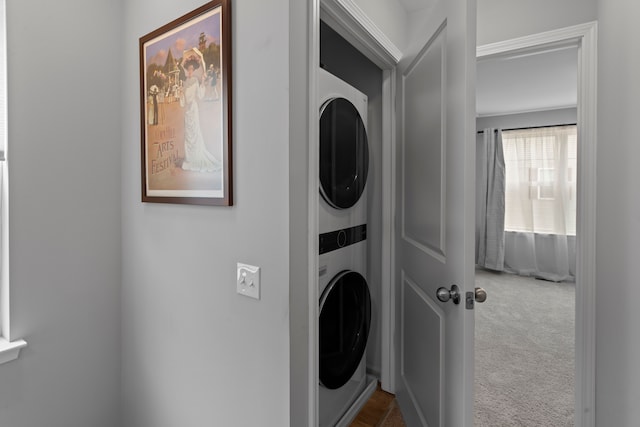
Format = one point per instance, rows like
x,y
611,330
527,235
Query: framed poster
x,y
185,109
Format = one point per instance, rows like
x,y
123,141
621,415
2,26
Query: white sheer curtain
x,y
490,200
540,202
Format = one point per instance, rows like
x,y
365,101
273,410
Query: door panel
x,y
424,180
435,217
422,346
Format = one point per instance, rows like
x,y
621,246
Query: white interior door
x,y
435,218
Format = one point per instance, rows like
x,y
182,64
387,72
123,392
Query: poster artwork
x,y
184,109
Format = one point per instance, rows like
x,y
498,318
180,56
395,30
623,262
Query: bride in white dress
x,y
197,157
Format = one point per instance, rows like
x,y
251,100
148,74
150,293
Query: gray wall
x,y
192,348
506,19
618,208
64,160
195,353
618,202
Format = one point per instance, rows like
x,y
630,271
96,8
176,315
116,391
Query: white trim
x,y
312,192
560,36
586,243
387,307
10,350
585,36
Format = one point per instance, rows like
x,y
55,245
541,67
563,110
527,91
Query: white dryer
x,y
344,154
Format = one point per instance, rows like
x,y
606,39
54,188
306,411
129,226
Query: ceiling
x,y
415,5
529,82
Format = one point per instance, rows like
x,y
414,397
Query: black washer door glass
x,y
344,154
345,318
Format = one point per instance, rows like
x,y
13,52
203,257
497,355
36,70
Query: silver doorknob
x,y
481,295
445,294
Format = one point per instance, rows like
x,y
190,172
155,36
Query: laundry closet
x,y
350,228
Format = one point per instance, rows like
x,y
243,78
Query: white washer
x,y
345,319
344,154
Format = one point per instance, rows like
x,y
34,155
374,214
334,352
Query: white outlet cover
x,y
248,280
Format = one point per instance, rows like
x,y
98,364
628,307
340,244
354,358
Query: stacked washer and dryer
x,y
345,302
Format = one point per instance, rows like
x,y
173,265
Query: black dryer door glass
x,y
344,154
345,318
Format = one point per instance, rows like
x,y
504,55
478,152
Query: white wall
x,y
64,160
390,16
506,19
618,215
618,200
195,353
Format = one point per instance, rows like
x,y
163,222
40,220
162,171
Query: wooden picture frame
x,y
185,109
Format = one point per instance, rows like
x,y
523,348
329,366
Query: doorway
x,y
524,360
517,332
585,325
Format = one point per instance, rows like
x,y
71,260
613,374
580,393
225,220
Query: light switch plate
x,y
248,280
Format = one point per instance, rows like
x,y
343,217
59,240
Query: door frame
x,y
584,36
347,19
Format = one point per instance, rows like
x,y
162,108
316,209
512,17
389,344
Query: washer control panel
x,y
340,238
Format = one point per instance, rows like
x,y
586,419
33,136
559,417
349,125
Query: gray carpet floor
x,y
524,362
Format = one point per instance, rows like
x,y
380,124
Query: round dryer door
x,y
345,318
344,153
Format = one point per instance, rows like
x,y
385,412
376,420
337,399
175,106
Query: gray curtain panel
x,y
490,194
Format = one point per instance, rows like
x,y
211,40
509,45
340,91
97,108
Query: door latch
x,y
479,295
469,300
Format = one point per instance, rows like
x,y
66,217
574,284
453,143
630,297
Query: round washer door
x,y
344,153
345,318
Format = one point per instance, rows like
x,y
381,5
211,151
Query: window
x,y
540,179
8,349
